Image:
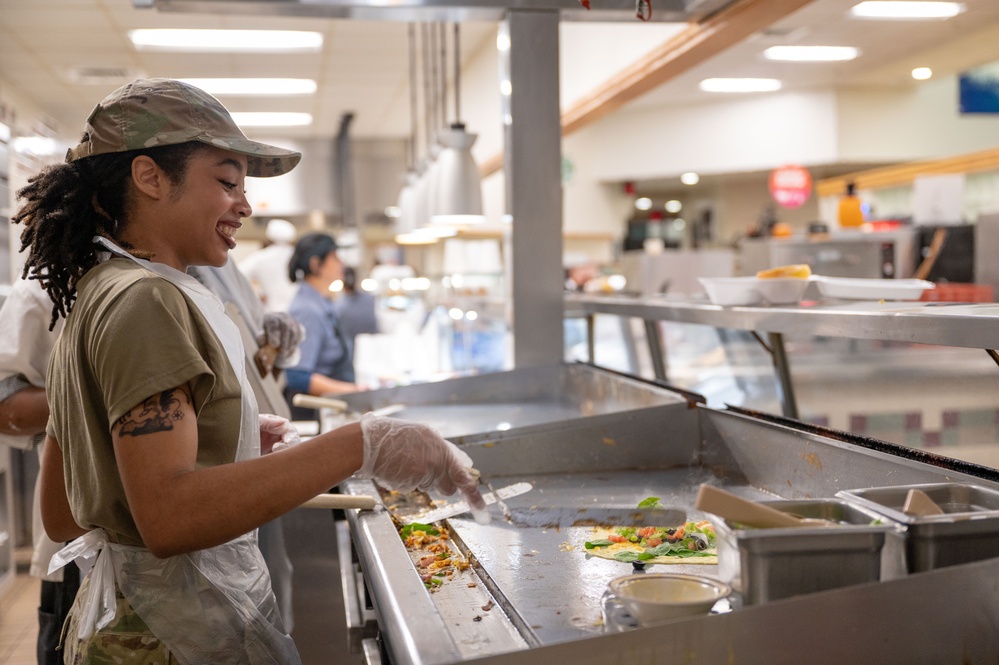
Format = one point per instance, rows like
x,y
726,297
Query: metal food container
x,y
968,529
769,564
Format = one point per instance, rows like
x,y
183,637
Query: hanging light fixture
x,y
459,185
425,197
407,220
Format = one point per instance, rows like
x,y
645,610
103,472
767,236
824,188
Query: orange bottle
x,y
850,213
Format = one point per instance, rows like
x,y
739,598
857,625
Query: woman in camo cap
x,y
153,452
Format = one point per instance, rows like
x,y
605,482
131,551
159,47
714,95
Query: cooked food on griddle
x,y
432,556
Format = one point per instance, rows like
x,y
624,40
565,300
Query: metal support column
x,y
657,354
532,167
785,388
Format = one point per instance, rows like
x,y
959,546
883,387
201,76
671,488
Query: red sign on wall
x,y
790,186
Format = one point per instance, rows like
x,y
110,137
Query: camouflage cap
x,y
147,113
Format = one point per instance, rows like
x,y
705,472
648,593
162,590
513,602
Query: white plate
x,y
871,289
744,291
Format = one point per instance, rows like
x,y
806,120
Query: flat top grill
x,y
544,575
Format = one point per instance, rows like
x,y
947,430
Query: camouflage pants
x,y
125,641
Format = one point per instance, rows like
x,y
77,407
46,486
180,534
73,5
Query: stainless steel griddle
x,y
512,401
533,595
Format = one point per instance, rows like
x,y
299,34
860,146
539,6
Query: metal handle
x,y
313,402
341,501
717,501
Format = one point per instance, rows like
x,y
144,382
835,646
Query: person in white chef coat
x,y
267,268
156,461
283,333
25,345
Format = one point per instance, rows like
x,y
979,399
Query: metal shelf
x,y
967,325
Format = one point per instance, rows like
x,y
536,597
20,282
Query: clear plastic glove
x,y
406,456
284,333
277,434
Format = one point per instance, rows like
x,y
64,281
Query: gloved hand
x,y
284,333
276,434
405,456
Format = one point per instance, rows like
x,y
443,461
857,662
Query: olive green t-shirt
x,y
131,335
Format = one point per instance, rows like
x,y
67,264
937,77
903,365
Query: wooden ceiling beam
x,y
687,49
903,174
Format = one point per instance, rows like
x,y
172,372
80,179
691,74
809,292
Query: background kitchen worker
x,y
283,333
25,345
267,268
326,366
355,307
153,452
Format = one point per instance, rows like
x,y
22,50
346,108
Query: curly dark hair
x,y
66,205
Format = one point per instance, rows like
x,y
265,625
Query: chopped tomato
x,y
653,542
646,531
617,539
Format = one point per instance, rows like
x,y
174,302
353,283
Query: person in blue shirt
x,y
326,364
355,307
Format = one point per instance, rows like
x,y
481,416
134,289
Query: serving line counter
x,y
938,323
532,595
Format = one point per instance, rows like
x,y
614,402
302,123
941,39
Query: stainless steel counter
x,y
511,401
532,594
972,325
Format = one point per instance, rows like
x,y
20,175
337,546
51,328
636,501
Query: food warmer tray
x,y
533,596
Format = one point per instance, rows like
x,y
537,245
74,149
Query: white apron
x,y
212,606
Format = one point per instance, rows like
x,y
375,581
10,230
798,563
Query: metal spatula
x,y
919,504
734,508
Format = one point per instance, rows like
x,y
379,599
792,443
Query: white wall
x,y
735,134
911,123
591,53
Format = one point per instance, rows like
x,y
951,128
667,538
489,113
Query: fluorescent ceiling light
x,y
225,40
437,231
905,9
922,73
740,85
414,238
811,53
458,220
39,146
690,178
272,119
255,86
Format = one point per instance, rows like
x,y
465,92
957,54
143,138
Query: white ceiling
x,y
362,67
890,50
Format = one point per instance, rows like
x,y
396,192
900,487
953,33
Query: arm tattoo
x,y
156,414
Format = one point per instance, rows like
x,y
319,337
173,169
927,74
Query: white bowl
x,y
656,597
872,289
782,290
732,290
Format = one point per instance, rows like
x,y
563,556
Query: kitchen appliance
x,y
883,254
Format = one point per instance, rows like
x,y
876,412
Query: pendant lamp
x,y
407,203
426,188
408,214
459,184
459,187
